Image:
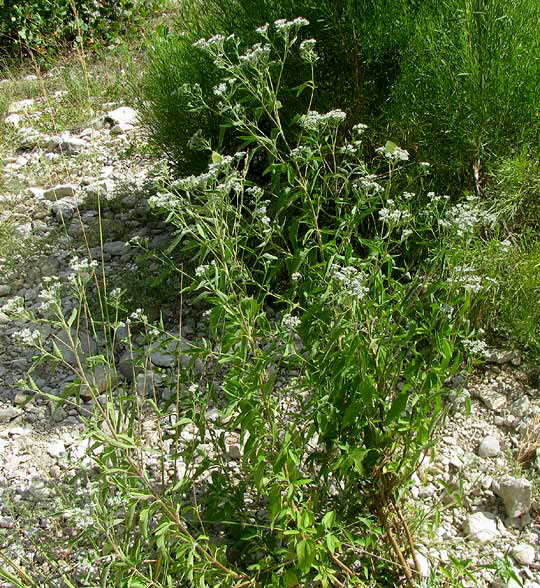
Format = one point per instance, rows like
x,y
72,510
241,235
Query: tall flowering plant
x,y
337,335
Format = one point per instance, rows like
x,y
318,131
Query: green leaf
x,y
332,543
398,406
329,519
290,579
72,318
305,554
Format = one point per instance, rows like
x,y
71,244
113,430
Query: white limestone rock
x,y
60,191
121,116
524,554
481,527
489,447
516,494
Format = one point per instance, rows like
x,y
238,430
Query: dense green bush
x,y
469,83
359,45
44,25
457,80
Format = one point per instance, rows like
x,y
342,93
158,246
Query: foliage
x,y
515,190
509,306
43,25
360,43
468,89
292,428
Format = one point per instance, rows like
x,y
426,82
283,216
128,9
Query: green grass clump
x,y
469,84
515,190
359,46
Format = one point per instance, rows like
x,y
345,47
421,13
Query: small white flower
x,y
290,322
193,388
359,128
28,337
201,270
396,154
255,191
296,276
82,266
464,277
307,50
476,347
13,306
256,55
138,315
220,89
262,30
425,164
314,121
284,26
352,279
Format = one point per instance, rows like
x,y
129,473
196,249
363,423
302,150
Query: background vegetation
x,y
42,26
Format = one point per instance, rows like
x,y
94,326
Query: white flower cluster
x,y
115,294
28,337
201,270
464,217
220,90
302,153
314,121
285,26
256,55
82,266
351,148
359,128
352,279
465,277
138,315
262,30
14,306
215,42
307,51
392,214
476,347
368,184
296,276
256,191
448,310
260,212
290,322
50,295
164,200
396,154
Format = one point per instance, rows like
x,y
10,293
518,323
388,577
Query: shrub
x,y
296,422
360,44
469,84
44,25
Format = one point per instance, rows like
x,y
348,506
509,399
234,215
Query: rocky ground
x,y
83,192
